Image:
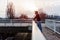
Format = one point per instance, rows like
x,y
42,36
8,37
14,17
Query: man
x,y
38,20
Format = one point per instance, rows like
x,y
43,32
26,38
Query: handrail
x,y
36,33
15,22
53,25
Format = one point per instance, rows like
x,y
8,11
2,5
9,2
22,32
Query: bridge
x,y
28,30
18,29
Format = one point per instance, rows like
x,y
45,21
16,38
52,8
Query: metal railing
x,y
15,22
53,25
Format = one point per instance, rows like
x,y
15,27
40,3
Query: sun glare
x,y
29,6
24,6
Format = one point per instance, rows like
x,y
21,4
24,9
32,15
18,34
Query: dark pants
x,y
39,25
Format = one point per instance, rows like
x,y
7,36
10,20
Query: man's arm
x,y
34,18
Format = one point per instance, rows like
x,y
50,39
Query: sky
x,y
50,7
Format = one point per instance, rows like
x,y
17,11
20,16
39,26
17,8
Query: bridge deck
x,y
50,35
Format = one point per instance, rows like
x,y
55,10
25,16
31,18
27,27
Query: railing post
x,y
54,26
11,22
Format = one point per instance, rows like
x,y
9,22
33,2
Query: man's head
x,y
36,12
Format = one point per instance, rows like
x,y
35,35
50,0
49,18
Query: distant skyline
x,y
51,7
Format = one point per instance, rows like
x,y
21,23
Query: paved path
x,y
50,35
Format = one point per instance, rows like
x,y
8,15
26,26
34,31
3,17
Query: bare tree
x,y
42,14
10,10
23,16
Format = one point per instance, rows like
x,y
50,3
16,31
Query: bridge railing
x,y
15,22
53,25
36,33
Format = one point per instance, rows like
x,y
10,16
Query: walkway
x,y
50,35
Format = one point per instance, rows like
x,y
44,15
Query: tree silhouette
x,y
10,10
23,16
42,14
